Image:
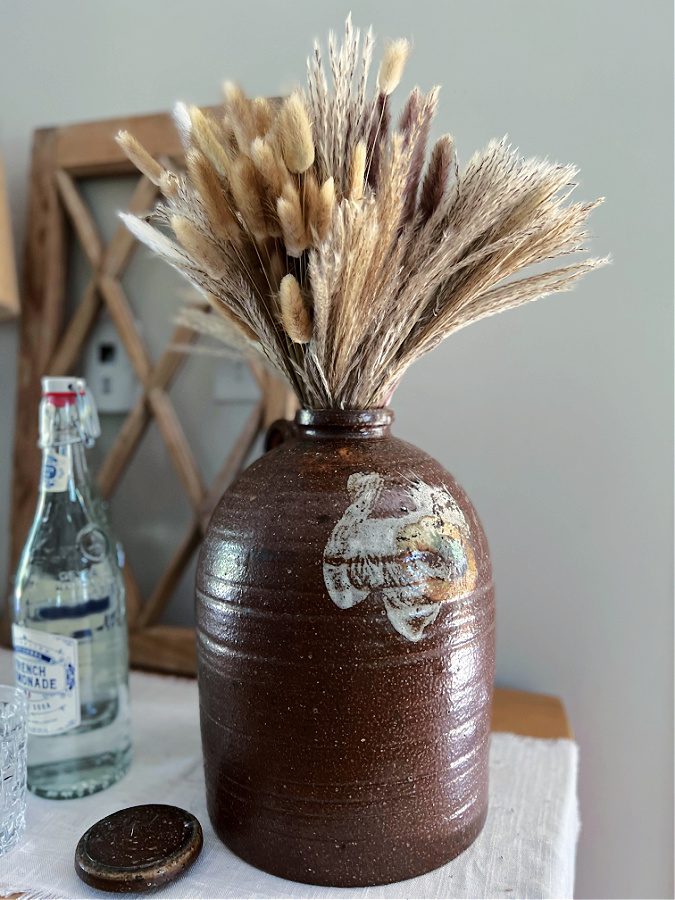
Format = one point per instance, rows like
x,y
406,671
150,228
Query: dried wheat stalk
x,y
325,241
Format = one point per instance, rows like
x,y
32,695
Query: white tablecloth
x,y
527,848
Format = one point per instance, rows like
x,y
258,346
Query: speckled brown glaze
x,y
138,849
345,695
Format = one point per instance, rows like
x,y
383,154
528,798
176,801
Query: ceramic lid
x,y
138,848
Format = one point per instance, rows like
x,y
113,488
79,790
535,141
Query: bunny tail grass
x,y
338,245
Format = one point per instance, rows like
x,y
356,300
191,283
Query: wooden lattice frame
x,y
50,344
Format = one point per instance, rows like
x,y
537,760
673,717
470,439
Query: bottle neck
x,y
64,464
344,423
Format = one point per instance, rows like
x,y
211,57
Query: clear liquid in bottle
x,y
70,631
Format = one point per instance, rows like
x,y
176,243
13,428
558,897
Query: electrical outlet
x,y
108,371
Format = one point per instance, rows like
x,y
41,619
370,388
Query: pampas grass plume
x,y
261,112
157,242
295,134
392,65
199,247
140,157
270,166
289,210
210,189
277,268
325,207
241,117
181,117
226,314
222,325
204,136
436,178
310,199
245,189
294,313
357,172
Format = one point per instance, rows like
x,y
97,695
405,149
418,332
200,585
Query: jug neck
x,y
344,423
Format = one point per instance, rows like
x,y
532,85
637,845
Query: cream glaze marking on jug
x,y
415,561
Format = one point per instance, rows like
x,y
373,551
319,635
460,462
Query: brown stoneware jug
x,y
345,630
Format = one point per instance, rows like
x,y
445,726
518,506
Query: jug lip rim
x,y
377,416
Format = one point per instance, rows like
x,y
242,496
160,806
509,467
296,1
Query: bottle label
x,y
56,469
45,666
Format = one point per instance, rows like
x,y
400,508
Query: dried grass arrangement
x,y
330,242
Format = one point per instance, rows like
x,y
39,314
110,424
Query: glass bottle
x,y
70,630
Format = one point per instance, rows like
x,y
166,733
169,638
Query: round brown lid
x,y
138,848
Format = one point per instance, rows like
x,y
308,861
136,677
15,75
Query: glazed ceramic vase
x,y
345,631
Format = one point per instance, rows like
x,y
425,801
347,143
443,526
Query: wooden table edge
x,y
530,715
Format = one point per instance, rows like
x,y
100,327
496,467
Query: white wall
x,y
556,418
